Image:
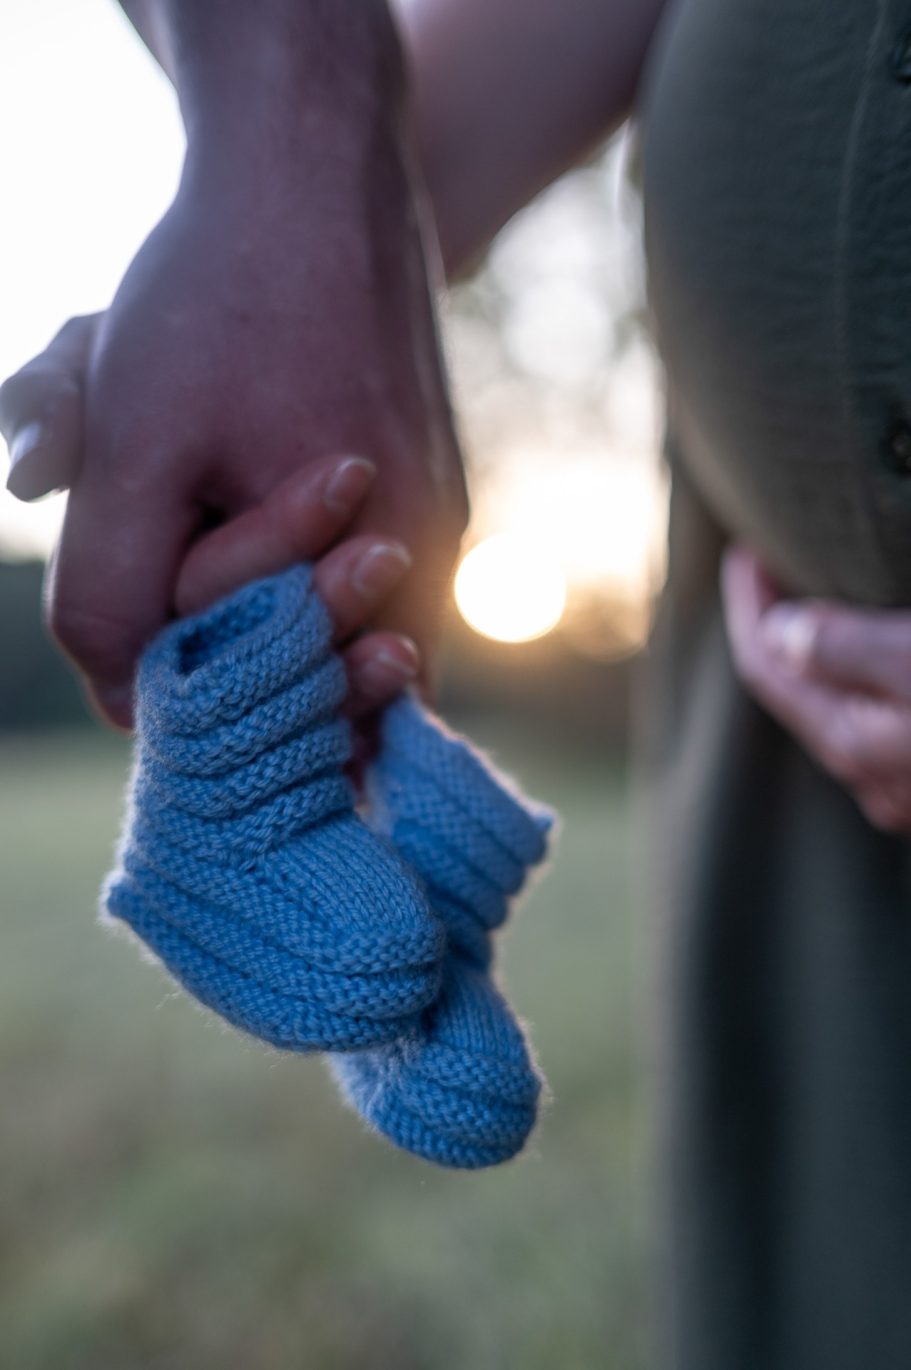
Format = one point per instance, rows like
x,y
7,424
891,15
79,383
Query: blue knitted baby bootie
x,y
459,1087
243,865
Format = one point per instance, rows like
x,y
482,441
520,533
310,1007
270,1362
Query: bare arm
x,y
509,93
506,95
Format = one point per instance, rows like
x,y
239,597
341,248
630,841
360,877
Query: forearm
x,y
505,94
509,93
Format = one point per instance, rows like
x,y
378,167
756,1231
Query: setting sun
x,y
509,589
573,539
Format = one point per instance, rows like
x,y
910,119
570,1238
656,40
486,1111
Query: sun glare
x,y
509,589
600,518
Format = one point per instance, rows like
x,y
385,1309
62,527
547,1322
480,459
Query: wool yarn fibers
x,y
247,870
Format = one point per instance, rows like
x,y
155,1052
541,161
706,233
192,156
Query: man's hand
x,y
279,312
838,678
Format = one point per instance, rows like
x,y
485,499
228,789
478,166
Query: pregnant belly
x,y
777,166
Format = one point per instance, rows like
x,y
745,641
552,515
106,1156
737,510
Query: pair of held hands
x,y
306,517
838,679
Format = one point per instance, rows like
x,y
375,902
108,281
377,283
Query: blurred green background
x,y
175,1195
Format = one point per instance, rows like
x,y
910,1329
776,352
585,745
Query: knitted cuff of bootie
x,y
460,1087
242,864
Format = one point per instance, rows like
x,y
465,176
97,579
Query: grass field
x,y
176,1197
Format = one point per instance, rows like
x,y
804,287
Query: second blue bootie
x,y
243,865
459,1086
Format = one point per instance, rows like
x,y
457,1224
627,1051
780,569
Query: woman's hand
x,y
838,678
41,412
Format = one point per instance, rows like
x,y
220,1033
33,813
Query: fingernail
x,y
347,484
789,634
386,671
379,569
407,661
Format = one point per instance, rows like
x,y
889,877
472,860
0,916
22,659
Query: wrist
x,y
245,73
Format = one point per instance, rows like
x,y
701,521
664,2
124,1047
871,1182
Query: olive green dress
x,y
777,182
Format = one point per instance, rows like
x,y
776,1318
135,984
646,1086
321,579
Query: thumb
x,y
111,582
41,413
868,650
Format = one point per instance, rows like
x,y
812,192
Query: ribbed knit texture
x,y
243,865
245,869
459,1087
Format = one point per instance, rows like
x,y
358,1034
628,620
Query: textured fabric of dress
x,y
777,184
243,865
777,197
459,1087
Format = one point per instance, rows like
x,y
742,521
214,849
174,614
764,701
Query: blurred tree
x,y
536,335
